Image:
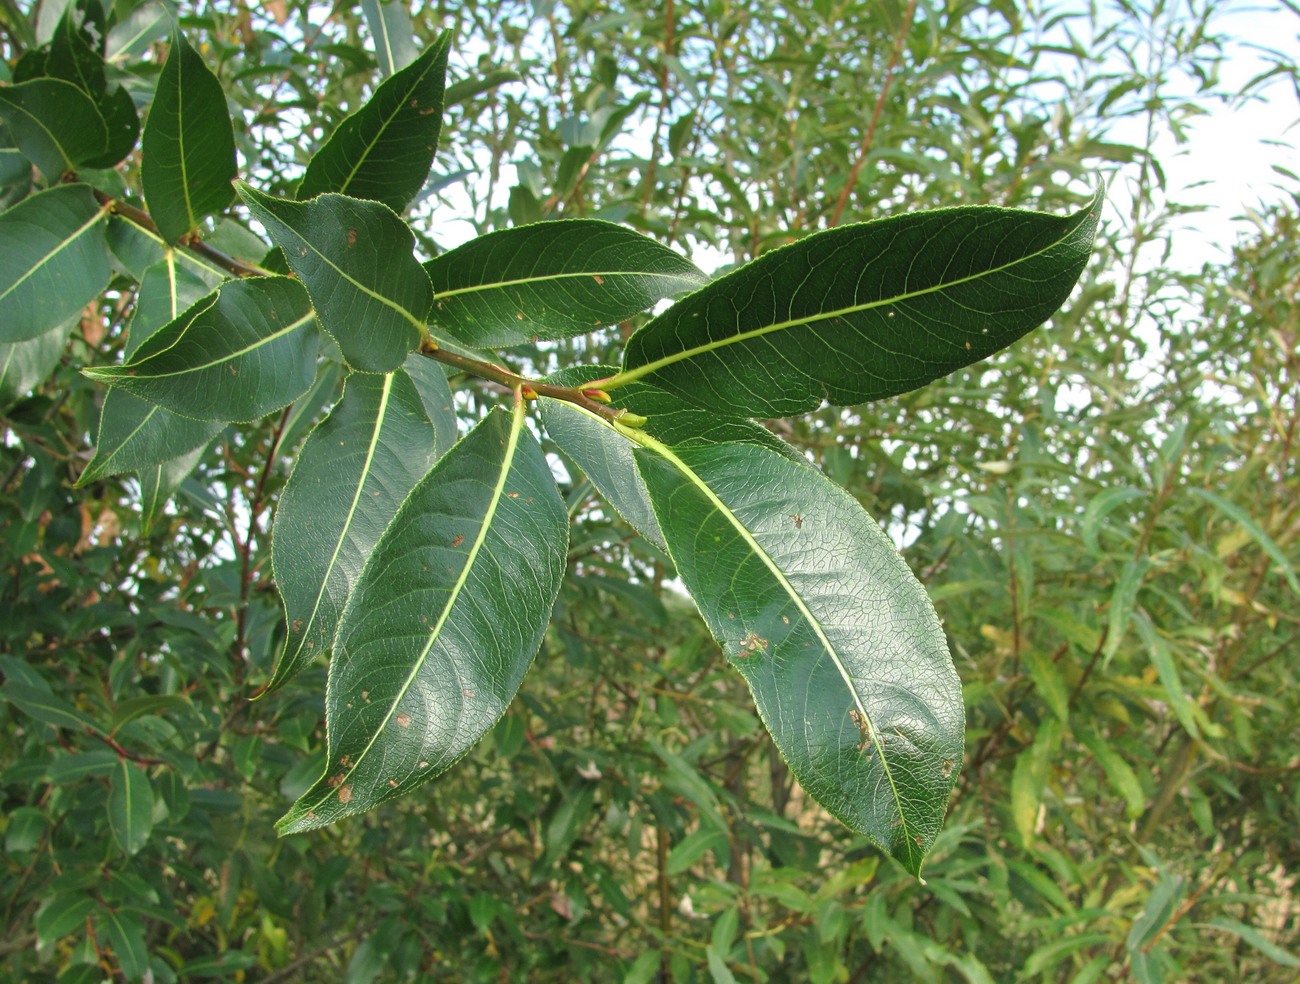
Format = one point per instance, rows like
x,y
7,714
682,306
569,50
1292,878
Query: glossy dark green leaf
x,y
836,638
352,474
384,150
443,622
38,701
124,932
54,261
63,915
130,807
55,124
355,258
864,312
390,25
25,365
552,280
189,146
135,434
248,350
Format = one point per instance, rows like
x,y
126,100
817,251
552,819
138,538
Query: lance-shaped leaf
x,y
605,455
356,261
135,434
244,351
54,260
836,638
55,124
384,150
390,23
130,807
552,280
189,146
352,474
443,622
865,311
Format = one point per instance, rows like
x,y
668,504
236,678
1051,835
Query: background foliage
x,y
1105,515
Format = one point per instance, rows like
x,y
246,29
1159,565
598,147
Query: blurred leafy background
x,y
1106,516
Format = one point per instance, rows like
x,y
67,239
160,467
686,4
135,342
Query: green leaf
x,y
1258,940
158,483
352,474
383,151
1266,542
25,365
443,622
834,635
55,260
188,148
1119,773
125,934
435,393
166,291
55,124
130,807
131,37
62,916
355,259
75,57
135,434
552,280
605,455
249,349
863,312
40,703
393,32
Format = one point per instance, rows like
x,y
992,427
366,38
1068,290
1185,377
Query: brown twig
x,y
867,137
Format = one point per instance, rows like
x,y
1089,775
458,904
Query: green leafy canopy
x,y
425,565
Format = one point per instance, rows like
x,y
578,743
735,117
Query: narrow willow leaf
x,y
135,434
352,474
245,351
834,635
25,365
1256,532
552,280
443,622
863,312
56,125
54,262
160,482
385,149
394,35
130,807
356,260
188,148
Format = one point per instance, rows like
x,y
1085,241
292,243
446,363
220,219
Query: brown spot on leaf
x,y
598,278
392,783
424,765
946,768
519,315
968,346
467,693
403,720
297,625
512,495
345,794
352,238
345,761
797,520
753,644
336,781
458,541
